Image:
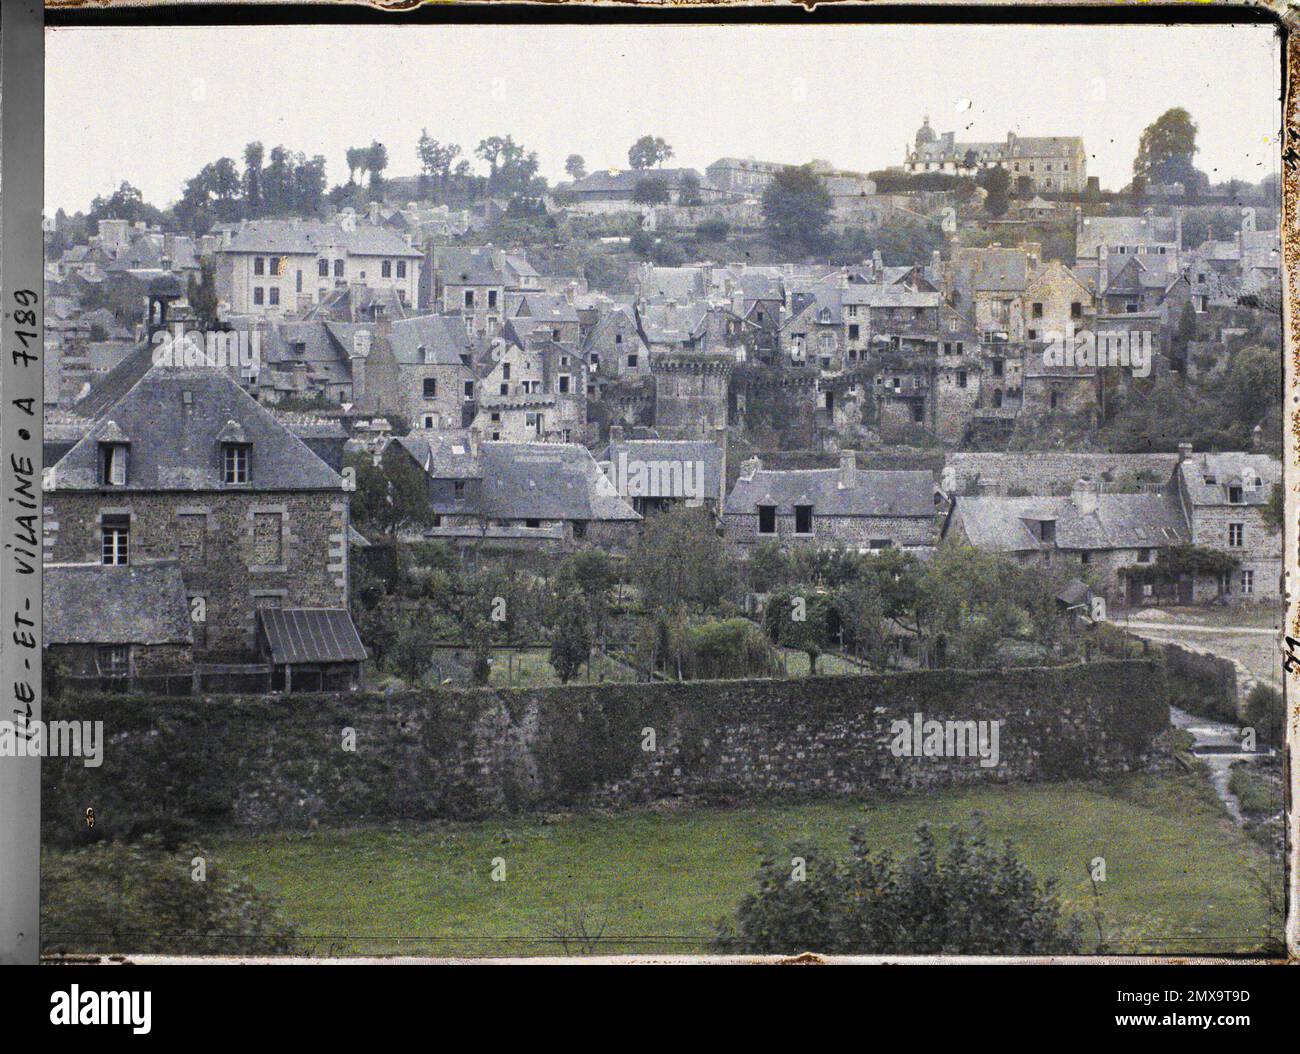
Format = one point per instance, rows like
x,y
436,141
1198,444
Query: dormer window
x,y
1047,531
235,463
1234,494
112,464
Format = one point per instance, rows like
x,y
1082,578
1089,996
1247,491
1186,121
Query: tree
x,y
413,652
797,210
970,899
651,191
357,157
679,559
648,152
437,159
575,166
996,182
253,156
201,292
862,612
571,640
376,162
1166,151
799,618
391,496
688,190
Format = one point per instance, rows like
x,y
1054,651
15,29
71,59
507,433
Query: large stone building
x,y
1050,163
277,268
187,468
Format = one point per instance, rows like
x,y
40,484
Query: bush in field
x,y
571,640
732,648
112,897
1266,714
969,899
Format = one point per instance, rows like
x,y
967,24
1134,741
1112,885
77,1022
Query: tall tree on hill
x,y
797,210
575,166
376,162
996,182
253,157
648,152
1167,149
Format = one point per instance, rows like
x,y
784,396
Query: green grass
x,y
796,664
1178,874
531,668
1258,796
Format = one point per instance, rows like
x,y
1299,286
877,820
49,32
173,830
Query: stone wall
x,y
280,763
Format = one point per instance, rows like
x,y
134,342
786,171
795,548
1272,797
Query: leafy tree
x,y
679,559
799,619
768,567
357,156
1254,385
376,162
413,651
1273,513
392,496
437,159
1166,151
253,157
202,293
688,190
862,611
571,640
996,182
968,899
797,211
575,166
714,230
648,152
652,191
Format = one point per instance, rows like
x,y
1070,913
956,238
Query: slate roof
x,y
1121,521
313,237
672,323
548,481
876,493
700,452
991,270
1095,231
625,180
135,604
310,635
443,455
476,266
1228,470
175,446
442,336
547,307
682,284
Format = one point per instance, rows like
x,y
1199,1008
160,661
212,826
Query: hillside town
x,y
956,352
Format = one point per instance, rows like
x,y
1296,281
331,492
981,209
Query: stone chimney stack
x,y
1184,452
1085,496
750,468
848,469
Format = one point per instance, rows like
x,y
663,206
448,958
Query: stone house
x,y
844,506
1102,537
517,495
1050,163
422,370
122,625
613,347
276,268
533,393
1224,497
187,468
551,314
657,474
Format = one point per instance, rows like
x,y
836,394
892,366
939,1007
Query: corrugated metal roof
x,y
301,635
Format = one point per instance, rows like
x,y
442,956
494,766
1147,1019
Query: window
x,y
115,538
961,378
430,421
803,519
276,265
113,660
1076,310
505,388
469,391
1047,531
767,519
259,294
1235,535
1247,583
469,298
430,387
881,543
853,331
112,464
997,367
532,524
492,298
259,265
275,294
1038,310
268,539
1234,495
386,269
1144,556
235,463
458,489
631,362
505,371
338,268
323,267
1085,558
564,383
1055,399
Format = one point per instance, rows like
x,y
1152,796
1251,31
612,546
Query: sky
x,y
153,105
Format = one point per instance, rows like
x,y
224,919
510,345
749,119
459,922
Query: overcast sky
x,y
152,106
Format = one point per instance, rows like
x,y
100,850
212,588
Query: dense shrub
x,y
1266,714
971,899
112,897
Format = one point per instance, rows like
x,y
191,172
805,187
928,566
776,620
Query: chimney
x,y
877,263
738,303
374,212
848,469
1184,452
1256,437
570,293
750,468
1085,495
1103,268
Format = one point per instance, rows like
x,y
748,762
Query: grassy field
x,y
1179,876
531,668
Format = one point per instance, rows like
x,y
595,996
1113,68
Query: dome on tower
x,y
925,134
